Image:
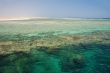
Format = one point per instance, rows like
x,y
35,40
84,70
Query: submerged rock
x,y
61,54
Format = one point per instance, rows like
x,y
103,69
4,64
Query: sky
x,y
55,8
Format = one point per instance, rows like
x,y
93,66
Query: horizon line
x,y
27,18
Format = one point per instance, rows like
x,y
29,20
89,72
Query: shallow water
x,y
51,25
74,58
94,58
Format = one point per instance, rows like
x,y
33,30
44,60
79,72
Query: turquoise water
x,y
79,58
52,25
93,58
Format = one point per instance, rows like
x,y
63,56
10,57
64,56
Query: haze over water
x,y
54,36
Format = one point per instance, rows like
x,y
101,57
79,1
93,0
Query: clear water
x,y
81,58
50,25
94,58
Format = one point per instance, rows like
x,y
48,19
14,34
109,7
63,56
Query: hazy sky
x,y
55,8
